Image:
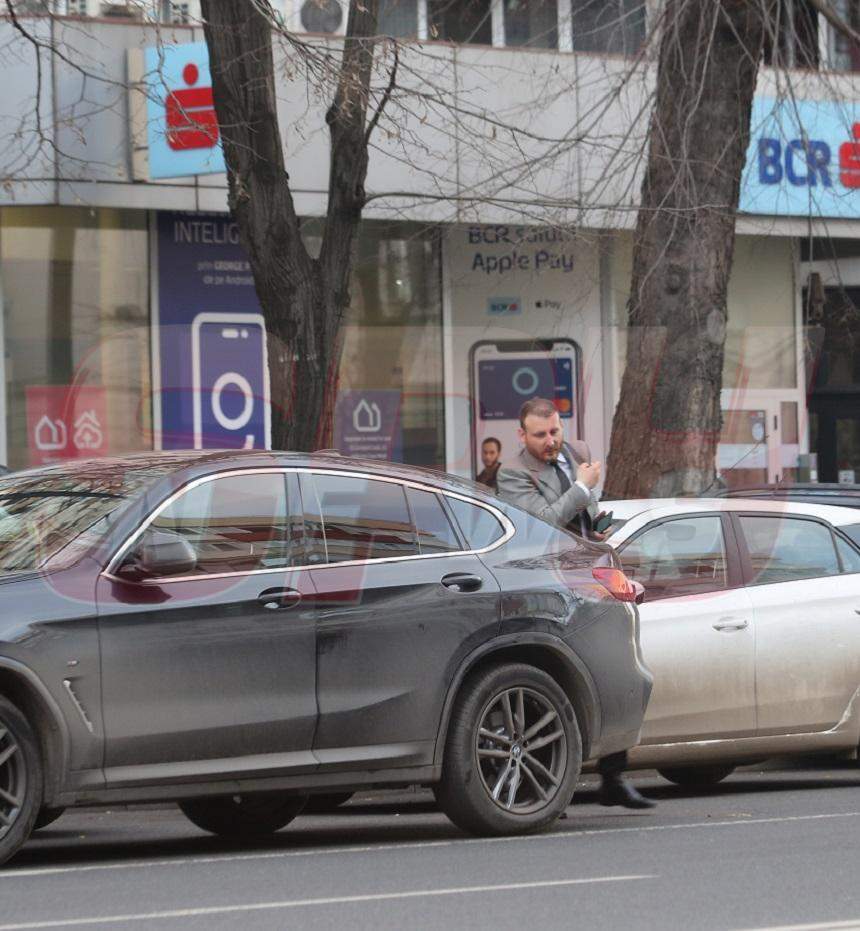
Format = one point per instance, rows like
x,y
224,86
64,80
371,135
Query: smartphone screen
x,y
230,381
505,375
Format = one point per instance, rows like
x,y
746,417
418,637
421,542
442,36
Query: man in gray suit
x,y
550,478
555,481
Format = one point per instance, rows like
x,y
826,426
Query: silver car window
x,y
784,548
683,556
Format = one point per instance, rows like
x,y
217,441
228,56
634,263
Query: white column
x,y
565,27
497,13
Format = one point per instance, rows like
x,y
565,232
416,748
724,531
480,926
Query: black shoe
x,y
620,792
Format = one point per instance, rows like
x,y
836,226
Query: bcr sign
x,y
803,159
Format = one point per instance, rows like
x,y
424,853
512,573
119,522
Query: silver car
x,y
750,626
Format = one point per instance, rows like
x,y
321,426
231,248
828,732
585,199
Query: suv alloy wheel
x,y
20,779
513,752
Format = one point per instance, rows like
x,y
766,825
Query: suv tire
x,y
21,779
243,816
503,775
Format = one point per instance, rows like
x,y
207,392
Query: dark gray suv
x,y
238,631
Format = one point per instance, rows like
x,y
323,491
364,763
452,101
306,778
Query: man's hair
x,y
492,439
540,407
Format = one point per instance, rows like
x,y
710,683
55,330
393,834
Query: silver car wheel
x,y
13,780
521,750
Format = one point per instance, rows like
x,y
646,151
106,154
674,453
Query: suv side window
x,y
361,519
435,533
785,548
234,524
479,526
684,556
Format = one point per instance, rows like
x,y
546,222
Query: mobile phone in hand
x,y
603,521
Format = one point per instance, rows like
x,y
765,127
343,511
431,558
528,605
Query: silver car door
x,y
807,626
696,630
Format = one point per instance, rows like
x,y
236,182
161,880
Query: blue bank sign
x,y
182,129
803,159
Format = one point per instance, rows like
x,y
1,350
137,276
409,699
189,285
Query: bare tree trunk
x,y
303,299
667,423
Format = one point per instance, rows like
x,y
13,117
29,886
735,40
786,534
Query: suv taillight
x,y
615,582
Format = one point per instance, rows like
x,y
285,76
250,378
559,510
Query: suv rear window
x,y
479,526
435,533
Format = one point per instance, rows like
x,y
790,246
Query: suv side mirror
x,y
161,553
640,592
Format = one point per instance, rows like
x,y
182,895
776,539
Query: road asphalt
x,y
772,848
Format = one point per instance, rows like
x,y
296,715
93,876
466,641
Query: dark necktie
x,y
564,481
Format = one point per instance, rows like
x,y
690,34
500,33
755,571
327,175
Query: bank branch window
x,y
76,325
390,393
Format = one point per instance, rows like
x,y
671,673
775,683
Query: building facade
x,y
493,263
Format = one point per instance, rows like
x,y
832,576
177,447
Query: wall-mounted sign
x,y
182,130
367,424
65,422
803,159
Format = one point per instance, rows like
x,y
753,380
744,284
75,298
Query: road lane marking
x,y
851,925
305,903
26,872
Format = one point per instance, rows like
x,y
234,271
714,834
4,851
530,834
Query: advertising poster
x,y
65,422
367,424
209,355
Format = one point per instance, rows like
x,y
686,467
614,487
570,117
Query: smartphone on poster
x,y
506,373
230,381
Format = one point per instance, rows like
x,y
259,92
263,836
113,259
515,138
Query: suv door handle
x,y
279,599
462,582
731,623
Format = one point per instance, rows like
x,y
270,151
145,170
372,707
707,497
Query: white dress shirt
x,y
571,473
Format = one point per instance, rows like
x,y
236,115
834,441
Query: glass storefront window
x,y
390,401
761,333
392,338
532,23
76,327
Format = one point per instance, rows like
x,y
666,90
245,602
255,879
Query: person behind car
x,y
555,480
491,451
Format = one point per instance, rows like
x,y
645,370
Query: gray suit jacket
x,y
534,486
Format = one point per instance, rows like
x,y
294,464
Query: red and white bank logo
x,y
190,114
182,128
